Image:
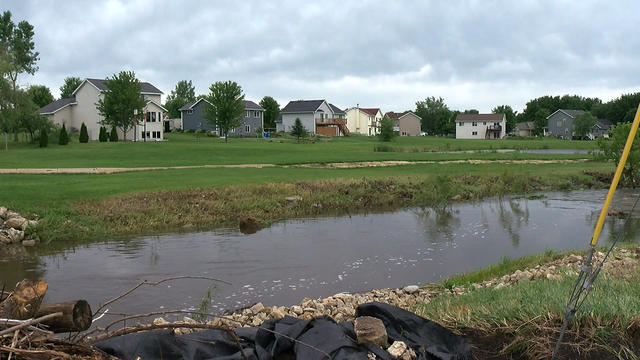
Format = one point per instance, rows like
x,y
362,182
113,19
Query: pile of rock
x,y
14,229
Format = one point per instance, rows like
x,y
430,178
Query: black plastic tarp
x,y
314,338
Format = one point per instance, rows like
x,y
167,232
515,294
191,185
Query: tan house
x,y
81,107
524,129
364,121
406,123
481,126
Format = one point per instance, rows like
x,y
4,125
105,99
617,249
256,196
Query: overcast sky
x,y
388,54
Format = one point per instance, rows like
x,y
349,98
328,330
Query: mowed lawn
x,y
196,149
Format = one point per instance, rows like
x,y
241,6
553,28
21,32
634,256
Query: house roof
x,y
335,109
396,115
480,117
300,106
571,113
603,124
250,105
100,84
190,105
370,111
57,105
527,125
156,104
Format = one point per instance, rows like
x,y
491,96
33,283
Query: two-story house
x,y
192,118
481,126
364,121
406,123
82,108
317,116
560,125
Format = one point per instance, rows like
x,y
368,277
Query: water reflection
x,y
439,224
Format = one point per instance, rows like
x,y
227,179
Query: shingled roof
x,y
146,87
57,105
370,111
335,109
300,106
480,117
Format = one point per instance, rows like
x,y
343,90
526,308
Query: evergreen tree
x,y
63,139
102,137
113,136
386,129
44,138
298,130
84,135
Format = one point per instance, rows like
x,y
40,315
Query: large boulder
x,y
18,222
15,235
5,238
370,330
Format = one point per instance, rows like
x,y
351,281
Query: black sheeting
x,y
428,339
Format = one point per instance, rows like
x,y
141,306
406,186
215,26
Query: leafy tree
x,y
621,109
583,125
435,115
509,114
540,121
71,83
183,94
271,111
553,103
17,48
102,137
84,135
227,109
25,114
120,101
298,130
386,129
612,149
43,141
113,135
471,111
40,95
6,112
63,139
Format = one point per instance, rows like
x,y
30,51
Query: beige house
x,y
364,121
81,107
524,129
406,123
481,126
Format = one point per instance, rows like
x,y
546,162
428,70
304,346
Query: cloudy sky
x,y
389,54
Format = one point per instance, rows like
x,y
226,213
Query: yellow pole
x,y
616,178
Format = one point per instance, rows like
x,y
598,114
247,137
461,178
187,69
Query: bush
x,y
44,138
199,131
63,139
103,134
298,130
84,134
189,131
386,129
113,136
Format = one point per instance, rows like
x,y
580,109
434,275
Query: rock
x,y
397,349
32,223
248,225
370,330
297,310
411,289
256,321
3,212
371,356
294,198
159,321
276,313
257,308
29,242
189,320
499,286
11,214
456,197
15,235
19,223
5,238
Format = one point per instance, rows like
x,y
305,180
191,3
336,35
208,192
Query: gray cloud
x,y
475,54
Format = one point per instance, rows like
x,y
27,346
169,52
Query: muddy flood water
x,y
318,257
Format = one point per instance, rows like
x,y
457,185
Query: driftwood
x,y
76,316
24,301
29,323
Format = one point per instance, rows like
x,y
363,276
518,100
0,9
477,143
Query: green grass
x,y
195,149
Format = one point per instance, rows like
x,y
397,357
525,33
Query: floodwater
x,y
319,257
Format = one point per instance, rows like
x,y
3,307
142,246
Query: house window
x,y
148,133
156,134
474,133
153,117
484,123
247,128
256,114
559,123
404,133
143,135
246,113
496,124
474,124
460,123
190,111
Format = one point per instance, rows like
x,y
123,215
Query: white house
x,y
481,126
364,121
81,107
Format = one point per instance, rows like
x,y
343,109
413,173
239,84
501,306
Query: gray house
x,y
317,116
192,118
560,124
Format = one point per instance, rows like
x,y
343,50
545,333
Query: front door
x,y
166,126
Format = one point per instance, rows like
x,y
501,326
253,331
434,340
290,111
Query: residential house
x,y
192,118
524,129
600,129
406,123
480,126
364,121
82,107
317,116
560,123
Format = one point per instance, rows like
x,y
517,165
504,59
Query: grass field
x,y
196,149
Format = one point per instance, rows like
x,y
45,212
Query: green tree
x,y
17,48
63,139
120,101
43,141
509,114
40,95
84,134
6,112
102,137
25,113
435,115
386,129
298,130
540,121
271,111
583,125
612,149
113,135
259,131
227,109
184,93
70,85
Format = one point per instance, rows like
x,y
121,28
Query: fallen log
x,y
76,316
24,301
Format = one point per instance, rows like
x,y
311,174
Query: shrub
x,y
199,131
386,129
103,134
44,138
189,131
84,134
63,139
113,136
298,130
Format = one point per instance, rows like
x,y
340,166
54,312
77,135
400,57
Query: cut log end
x,y
76,316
